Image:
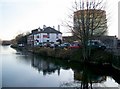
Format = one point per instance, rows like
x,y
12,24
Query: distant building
x,y
109,41
5,42
118,43
69,39
99,18
44,35
30,39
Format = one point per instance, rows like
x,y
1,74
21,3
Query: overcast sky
x,y
18,16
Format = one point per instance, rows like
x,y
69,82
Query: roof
x,y
50,30
45,30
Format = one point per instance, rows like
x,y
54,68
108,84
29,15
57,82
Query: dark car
x,y
96,44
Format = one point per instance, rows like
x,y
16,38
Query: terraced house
x,y
45,35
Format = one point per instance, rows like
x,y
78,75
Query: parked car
x,y
96,44
75,46
41,44
46,44
52,45
64,45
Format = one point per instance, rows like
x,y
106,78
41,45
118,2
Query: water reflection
x,y
46,66
84,76
87,78
49,72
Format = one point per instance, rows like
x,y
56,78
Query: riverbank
x,y
97,56
100,59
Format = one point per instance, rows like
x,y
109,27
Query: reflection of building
x,y
44,35
99,17
45,66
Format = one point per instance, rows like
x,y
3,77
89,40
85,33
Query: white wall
x,y
52,37
60,36
41,39
35,38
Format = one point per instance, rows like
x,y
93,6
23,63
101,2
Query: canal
x,y
22,69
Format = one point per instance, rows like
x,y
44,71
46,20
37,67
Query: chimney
x,y
39,29
54,27
58,27
44,26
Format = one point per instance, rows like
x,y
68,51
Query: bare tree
x,y
89,20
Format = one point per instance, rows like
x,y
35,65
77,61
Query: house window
x,y
45,36
37,36
48,35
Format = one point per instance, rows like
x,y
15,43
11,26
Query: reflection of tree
x,y
87,78
78,75
84,78
45,66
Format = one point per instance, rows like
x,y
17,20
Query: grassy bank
x,y
51,52
97,56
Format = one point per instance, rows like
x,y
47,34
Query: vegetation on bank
x,y
116,62
6,42
97,56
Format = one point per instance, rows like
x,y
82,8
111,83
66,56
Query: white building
x,y
45,35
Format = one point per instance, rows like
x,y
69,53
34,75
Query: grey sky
x,y
18,16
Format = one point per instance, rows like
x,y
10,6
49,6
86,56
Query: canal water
x,y
22,69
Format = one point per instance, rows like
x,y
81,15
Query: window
x,y
48,35
45,36
37,36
